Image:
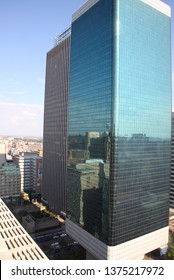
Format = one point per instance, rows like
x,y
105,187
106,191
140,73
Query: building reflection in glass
x,y
136,178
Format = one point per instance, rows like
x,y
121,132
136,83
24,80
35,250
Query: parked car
x,y
54,244
63,235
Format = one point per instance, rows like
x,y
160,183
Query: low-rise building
x,y
28,223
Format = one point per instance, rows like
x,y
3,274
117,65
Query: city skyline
x,y
27,37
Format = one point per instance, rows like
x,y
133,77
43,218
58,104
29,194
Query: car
x,y
54,244
63,235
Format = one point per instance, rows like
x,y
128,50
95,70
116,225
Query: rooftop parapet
x,y
61,37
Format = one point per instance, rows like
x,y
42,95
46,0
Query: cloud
x,y
8,96
30,115
21,119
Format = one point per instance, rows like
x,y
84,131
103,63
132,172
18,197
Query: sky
x,y
27,33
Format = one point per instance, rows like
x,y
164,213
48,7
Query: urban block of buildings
x,y
108,107
19,171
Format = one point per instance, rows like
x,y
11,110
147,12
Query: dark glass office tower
x,y
119,129
55,124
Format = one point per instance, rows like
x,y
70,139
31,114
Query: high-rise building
x,y
27,163
172,166
119,127
55,124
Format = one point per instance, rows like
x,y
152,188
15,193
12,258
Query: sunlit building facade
x,y
27,163
119,127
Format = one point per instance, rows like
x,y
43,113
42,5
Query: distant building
x,y
28,223
32,224
34,147
172,167
15,242
39,172
2,153
40,153
55,124
27,163
10,180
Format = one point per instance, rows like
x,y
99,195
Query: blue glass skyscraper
x,y
119,127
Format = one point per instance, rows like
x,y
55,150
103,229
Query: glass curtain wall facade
x,y
90,101
119,121
142,108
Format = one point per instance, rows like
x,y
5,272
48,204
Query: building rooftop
x,y
61,37
15,242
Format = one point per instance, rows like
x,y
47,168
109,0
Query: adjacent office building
x,y
119,128
9,175
172,167
27,163
55,124
10,180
